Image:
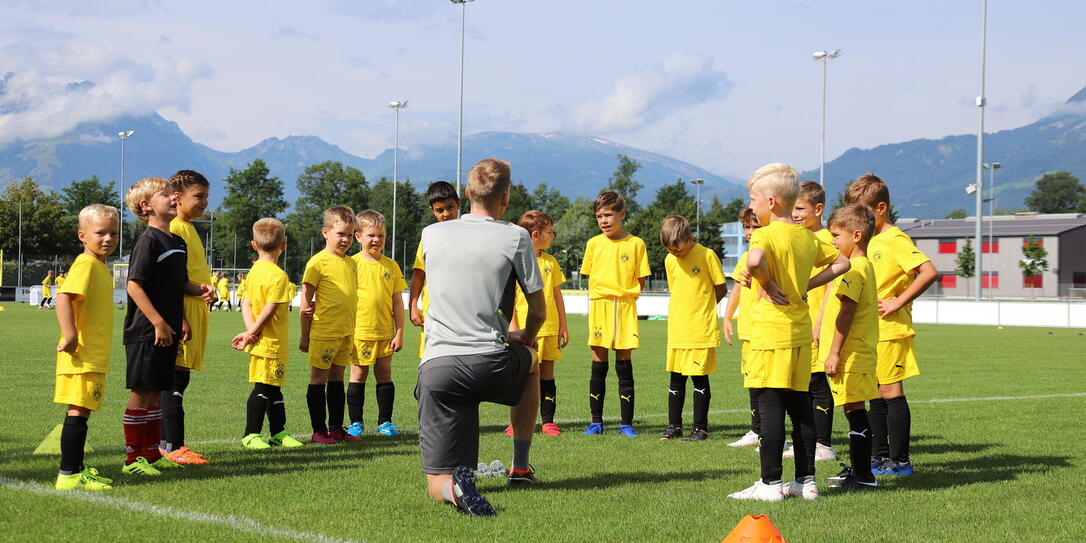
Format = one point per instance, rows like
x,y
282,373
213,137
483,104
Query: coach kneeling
x,y
472,267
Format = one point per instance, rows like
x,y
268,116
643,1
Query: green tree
x,y
966,262
321,186
572,231
1034,259
43,231
956,214
622,182
410,217
520,200
80,194
1058,192
730,212
251,194
550,201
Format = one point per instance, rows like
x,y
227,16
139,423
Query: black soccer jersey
x,y
158,262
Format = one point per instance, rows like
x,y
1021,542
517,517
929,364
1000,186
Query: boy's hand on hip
x,y
887,307
68,345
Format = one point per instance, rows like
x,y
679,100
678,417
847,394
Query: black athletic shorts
x,y
449,391
150,367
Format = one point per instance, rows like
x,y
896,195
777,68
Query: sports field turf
x,y
997,443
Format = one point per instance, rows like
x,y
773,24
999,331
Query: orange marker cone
x,y
754,529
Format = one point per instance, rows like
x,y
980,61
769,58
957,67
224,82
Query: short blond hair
x,y
675,230
488,180
141,191
370,218
334,214
776,180
94,211
269,234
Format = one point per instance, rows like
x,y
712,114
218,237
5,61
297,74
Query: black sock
x,y
755,420
798,406
336,400
624,369
822,407
899,422
548,395
314,398
255,408
73,437
229,306
702,394
880,445
173,412
277,409
597,390
676,397
771,437
386,399
859,443
356,399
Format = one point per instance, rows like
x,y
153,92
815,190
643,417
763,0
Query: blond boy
x,y
46,290
445,205
746,292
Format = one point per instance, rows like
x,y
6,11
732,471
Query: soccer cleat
x,y
92,474
468,499
141,467
163,464
824,453
749,439
496,469
254,442
594,429
697,435
88,479
551,429
672,432
340,434
895,468
509,430
388,429
356,429
627,430
760,491
285,440
846,471
853,483
324,438
185,456
523,477
877,463
794,489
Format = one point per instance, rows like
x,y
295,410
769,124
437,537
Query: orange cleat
x,y
551,429
185,456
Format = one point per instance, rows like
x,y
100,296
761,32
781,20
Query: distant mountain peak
x,y
1079,96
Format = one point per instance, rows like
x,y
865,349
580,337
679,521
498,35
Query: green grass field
x,y
997,442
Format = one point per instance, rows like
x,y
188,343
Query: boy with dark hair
x,y
445,205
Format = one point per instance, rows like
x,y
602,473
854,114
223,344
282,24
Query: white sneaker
x,y
761,492
807,491
749,439
823,453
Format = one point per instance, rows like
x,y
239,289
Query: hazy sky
x,y
724,85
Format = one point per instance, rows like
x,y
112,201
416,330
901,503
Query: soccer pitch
x,y
997,444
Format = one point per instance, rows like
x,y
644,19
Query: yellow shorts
x,y
816,366
82,389
190,354
691,361
779,368
367,351
325,352
548,348
853,387
896,361
744,355
270,371
422,344
612,323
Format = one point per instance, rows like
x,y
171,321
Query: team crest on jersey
x,y
367,351
96,394
280,371
696,270
597,332
388,275
625,257
876,256
326,356
547,269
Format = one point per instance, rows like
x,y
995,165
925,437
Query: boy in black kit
x,y
157,282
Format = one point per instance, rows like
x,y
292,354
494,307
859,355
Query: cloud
x,y
291,31
680,81
49,90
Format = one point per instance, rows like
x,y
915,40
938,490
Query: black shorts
x,y
449,391
149,367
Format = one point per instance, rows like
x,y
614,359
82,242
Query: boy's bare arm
x,y
397,320
925,276
305,315
756,267
66,319
840,332
837,267
533,320
720,291
418,280
821,313
563,328
163,331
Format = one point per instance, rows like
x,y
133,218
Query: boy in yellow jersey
x,y
293,293
214,281
329,298
192,193
782,255
810,205
378,330
616,264
223,289
46,290
61,277
445,205
847,348
554,336
746,290
241,289
263,310
85,314
697,285
903,272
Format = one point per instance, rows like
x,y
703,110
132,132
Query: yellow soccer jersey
x,y
816,296
267,283
791,252
424,296
242,286
746,298
224,287
613,267
691,312
60,281
47,282
895,258
858,352
552,277
377,283
91,284
335,279
196,262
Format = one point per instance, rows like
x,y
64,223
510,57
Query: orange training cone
x,y
754,529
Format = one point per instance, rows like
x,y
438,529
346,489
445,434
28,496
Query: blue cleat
x,y
897,468
878,465
596,428
388,429
627,430
356,429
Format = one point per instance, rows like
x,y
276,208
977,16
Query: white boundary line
x,y
230,521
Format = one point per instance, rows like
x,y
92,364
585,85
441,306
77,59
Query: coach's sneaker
x,y
760,491
895,468
697,435
594,429
627,430
285,440
551,429
163,463
185,456
340,434
824,453
749,439
388,429
795,489
324,438
468,499
141,467
523,477
254,442
356,429
672,432
854,483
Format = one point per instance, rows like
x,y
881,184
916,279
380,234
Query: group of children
x,y
821,323
47,288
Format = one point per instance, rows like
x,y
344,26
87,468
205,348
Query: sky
x,y
727,86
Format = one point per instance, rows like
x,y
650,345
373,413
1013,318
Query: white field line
x,y
229,521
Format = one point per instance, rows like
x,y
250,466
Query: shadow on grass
x,y
620,478
976,469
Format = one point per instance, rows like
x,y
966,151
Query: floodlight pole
x,y
122,135
991,209
698,183
20,279
978,268
460,123
824,57
396,106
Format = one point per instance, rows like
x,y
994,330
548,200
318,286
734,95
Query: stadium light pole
x,y
122,135
396,106
460,123
698,183
977,268
824,57
20,278
991,209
